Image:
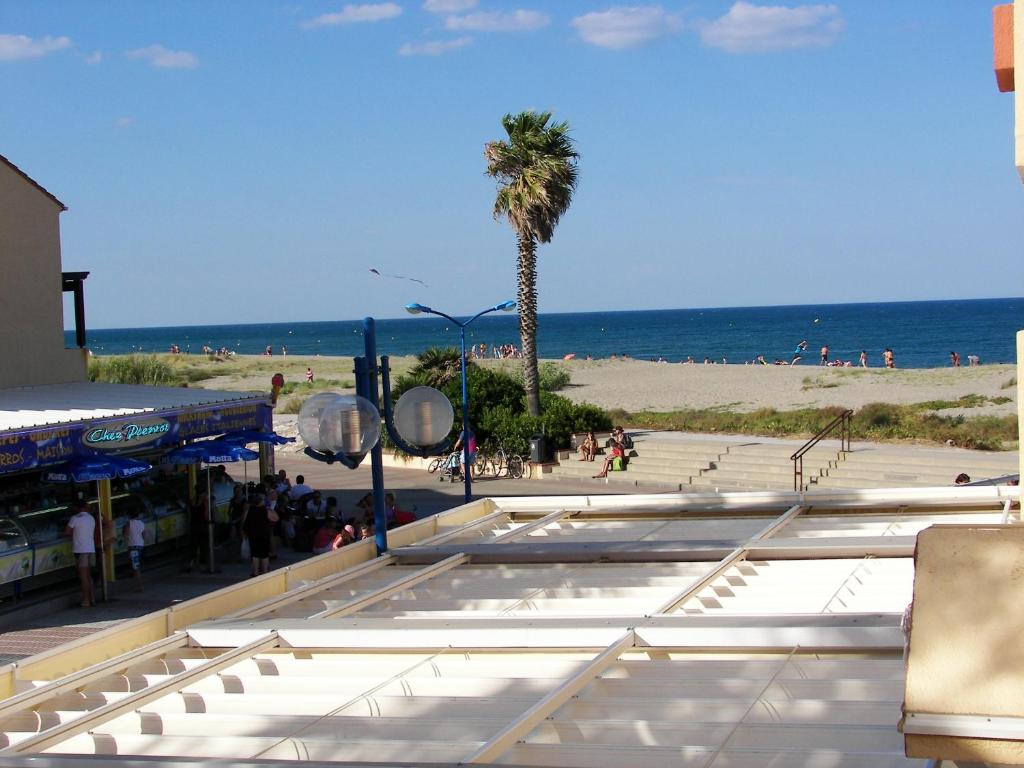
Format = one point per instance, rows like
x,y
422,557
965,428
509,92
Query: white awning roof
x,y
55,404
616,645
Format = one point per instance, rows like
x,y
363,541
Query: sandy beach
x,y
635,385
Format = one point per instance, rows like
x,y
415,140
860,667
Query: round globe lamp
x,y
423,416
346,424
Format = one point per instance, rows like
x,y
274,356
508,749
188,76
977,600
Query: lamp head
x,y
415,309
506,306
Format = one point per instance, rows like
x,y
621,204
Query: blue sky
x,y
252,161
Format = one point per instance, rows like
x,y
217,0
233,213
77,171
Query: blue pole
x,y
465,421
376,453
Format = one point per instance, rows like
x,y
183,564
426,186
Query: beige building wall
x,y
31,303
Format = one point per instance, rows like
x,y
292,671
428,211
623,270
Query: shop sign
x,y
24,451
119,435
45,447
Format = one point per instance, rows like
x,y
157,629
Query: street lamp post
x,y
415,309
343,428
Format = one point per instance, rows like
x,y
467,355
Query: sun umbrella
x,y
246,436
87,469
211,452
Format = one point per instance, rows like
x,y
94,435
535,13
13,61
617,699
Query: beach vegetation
x,y
552,377
437,366
536,171
307,388
136,369
874,421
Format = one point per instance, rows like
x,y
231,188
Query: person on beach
x,y
588,448
798,352
824,355
863,358
888,358
954,359
82,530
309,375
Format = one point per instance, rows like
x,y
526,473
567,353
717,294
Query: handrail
x,y
844,421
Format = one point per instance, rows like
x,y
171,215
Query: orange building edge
x,y
1002,45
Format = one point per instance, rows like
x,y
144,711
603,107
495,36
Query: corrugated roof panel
x,y
53,404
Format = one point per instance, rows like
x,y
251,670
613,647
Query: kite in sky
x,y
399,277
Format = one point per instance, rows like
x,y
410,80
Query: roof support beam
x,y
729,561
353,606
526,530
532,717
568,552
29,699
52,736
301,593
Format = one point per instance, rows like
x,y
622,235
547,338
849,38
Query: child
x,y
135,533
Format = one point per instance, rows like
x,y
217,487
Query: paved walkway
x,y
41,623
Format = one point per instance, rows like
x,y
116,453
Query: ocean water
x,y
921,333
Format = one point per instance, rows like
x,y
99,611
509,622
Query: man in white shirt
x,y
82,530
300,489
316,506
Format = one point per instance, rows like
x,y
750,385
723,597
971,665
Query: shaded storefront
x,y
43,428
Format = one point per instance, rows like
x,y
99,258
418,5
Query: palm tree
x,y
536,173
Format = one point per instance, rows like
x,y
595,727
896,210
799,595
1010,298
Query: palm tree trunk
x,y
528,321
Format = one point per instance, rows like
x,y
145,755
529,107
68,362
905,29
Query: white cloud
x,y
13,47
448,6
625,26
434,48
355,14
158,56
124,122
749,28
94,58
516,21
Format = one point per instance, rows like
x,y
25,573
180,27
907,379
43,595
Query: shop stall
x,y
44,428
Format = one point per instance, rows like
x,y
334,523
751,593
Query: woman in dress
x,y
258,526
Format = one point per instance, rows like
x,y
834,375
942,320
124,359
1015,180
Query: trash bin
x,y
538,449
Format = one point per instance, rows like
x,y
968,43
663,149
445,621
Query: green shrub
x,y
497,402
133,369
551,376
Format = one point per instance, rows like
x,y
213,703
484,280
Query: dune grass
x,y
875,421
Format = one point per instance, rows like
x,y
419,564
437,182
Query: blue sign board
x,y
20,451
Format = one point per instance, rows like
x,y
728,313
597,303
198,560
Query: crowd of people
x,y
277,510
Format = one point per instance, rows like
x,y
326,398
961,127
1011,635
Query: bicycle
x,y
509,465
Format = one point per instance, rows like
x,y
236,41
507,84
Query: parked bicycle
x,y
503,464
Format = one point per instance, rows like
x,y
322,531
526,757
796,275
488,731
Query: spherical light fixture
x,y
423,416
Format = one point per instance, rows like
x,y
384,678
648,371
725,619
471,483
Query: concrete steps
x,y
743,463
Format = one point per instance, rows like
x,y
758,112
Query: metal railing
x,y
843,423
